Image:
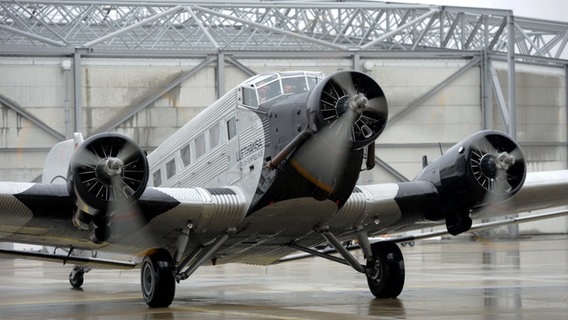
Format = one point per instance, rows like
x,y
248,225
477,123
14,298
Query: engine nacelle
x,y
487,167
347,93
346,112
107,173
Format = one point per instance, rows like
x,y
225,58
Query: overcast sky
x,y
541,9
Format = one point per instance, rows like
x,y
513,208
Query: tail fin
x,y
57,161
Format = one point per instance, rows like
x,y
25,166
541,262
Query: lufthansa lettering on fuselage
x,y
250,148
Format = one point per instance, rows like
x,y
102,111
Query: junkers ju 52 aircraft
x,y
267,170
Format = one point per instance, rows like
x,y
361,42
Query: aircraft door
x,y
250,133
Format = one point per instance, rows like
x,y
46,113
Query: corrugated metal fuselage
x,y
279,203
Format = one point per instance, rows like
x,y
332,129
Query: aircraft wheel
x,y
385,270
76,277
158,279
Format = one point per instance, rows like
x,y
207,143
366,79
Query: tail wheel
x,y
385,270
158,279
76,277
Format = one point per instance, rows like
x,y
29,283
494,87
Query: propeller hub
x,y
358,102
113,166
504,161
108,168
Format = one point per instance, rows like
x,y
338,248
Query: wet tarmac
x,y
448,279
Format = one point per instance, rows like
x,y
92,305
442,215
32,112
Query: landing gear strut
x,y
384,266
160,272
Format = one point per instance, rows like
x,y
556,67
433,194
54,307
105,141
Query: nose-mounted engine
x,y
317,138
353,101
346,113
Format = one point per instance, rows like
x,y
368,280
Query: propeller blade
x,y
325,153
125,216
87,159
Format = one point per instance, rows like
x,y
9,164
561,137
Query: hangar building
x,y
145,68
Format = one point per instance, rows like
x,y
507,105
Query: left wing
x,y
413,202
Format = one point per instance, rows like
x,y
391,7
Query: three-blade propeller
x,y
348,111
108,174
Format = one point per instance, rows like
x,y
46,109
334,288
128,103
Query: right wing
x,y
42,214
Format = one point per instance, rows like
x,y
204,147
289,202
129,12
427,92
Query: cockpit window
x,y
269,91
264,87
249,97
294,85
313,81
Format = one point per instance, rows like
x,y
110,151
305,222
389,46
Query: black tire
x,y
385,270
77,277
157,279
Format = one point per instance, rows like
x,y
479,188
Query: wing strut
x,y
321,254
348,258
198,257
336,244
403,239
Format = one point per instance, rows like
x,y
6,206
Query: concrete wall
x,y
110,86
37,85
446,117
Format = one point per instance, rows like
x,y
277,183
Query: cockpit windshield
x,y
265,87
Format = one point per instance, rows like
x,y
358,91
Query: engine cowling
x,y
347,92
108,173
347,111
487,167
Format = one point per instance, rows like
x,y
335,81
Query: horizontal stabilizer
x,y
57,161
65,258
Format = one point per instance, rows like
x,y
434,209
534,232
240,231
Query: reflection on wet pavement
x,y
504,279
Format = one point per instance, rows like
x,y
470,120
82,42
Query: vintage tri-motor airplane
x,y
267,170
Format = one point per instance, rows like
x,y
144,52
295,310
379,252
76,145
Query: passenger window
x,y
214,135
171,168
185,155
231,128
199,146
157,178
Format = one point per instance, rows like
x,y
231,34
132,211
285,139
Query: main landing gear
x,y
158,279
385,270
160,271
384,266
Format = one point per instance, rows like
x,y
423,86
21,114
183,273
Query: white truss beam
x,y
132,28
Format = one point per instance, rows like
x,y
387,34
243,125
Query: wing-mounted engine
x,y
107,174
487,167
